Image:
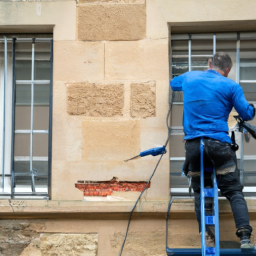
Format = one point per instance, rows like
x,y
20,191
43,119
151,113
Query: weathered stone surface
x,y
78,61
69,244
143,99
32,250
138,60
16,235
111,22
110,140
93,99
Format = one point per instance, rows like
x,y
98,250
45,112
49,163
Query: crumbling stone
x,y
92,99
69,244
16,235
143,100
105,188
111,22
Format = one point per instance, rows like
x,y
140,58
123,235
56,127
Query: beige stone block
x,y
69,173
145,60
112,1
143,99
69,244
59,132
67,130
111,22
115,141
63,182
161,13
78,61
95,99
25,14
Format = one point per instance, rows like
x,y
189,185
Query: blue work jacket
x,y
208,99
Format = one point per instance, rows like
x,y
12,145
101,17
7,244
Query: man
x,y
209,97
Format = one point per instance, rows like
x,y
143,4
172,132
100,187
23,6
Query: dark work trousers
x,y
222,157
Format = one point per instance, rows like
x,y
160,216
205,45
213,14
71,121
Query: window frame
x,y
32,82
178,130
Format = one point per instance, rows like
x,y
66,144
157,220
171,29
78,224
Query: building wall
x,y
105,48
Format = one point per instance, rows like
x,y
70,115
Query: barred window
x,y
25,116
191,52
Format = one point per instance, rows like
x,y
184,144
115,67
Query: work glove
x,y
254,106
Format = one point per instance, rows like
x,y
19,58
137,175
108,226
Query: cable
x,y
158,162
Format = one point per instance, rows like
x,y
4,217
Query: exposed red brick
x,y
105,188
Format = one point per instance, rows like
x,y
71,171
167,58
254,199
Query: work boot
x,y
244,234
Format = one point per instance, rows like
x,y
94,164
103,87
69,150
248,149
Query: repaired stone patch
x,y
92,99
111,22
143,100
69,244
107,141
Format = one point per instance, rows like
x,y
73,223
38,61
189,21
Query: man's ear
x,y
227,72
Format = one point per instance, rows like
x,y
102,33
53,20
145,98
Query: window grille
x,y
25,117
191,52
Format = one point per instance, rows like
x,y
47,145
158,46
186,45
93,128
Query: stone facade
x,y
110,100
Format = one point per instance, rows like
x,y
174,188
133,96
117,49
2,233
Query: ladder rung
x,y
209,192
210,250
210,220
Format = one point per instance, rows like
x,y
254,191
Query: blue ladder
x,y
205,220
208,220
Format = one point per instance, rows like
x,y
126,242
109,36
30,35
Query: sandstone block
x,y
139,60
78,61
93,99
111,22
40,17
143,100
108,141
113,1
69,244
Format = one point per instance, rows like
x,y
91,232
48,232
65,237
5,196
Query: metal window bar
x,y
50,126
32,116
189,54
4,96
13,114
214,44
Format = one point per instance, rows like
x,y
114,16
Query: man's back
x,y
208,99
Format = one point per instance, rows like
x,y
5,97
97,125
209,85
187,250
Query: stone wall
x,y
110,99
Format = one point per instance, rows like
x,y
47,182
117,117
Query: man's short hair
x,y
222,61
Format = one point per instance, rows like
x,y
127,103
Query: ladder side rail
x,y
216,214
202,198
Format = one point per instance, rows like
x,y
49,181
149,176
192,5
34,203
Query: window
x,y
191,52
25,116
